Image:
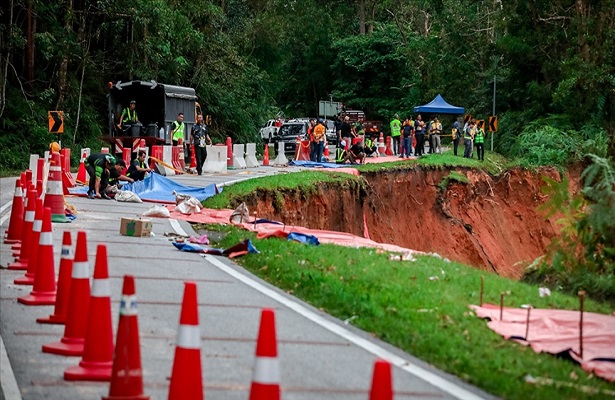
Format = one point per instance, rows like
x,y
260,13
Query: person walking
x,y
199,137
396,133
177,129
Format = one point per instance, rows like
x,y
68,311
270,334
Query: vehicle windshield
x,y
291,130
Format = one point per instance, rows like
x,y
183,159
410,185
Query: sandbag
x,y
127,196
157,210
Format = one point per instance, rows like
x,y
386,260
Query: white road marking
x,y
7,378
7,205
177,227
431,378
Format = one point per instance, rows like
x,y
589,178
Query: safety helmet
x,y
54,147
110,159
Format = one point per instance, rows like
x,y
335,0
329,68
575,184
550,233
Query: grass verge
x,y
422,308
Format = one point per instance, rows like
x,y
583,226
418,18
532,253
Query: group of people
x,y
199,136
409,137
106,172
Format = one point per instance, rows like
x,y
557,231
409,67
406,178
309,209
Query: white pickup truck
x,y
269,131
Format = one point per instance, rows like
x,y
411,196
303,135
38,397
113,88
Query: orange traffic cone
x,y
13,233
54,197
266,374
326,151
266,155
382,383
26,233
127,374
66,268
44,289
71,343
187,376
82,176
24,192
192,157
97,360
389,150
35,237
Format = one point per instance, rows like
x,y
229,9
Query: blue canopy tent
x,y
439,106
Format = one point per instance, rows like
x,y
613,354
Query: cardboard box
x,y
135,227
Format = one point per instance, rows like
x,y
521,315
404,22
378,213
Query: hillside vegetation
x,y
553,63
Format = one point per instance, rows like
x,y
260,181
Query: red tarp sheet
x,y
557,331
210,216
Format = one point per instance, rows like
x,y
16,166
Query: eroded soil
x,y
490,222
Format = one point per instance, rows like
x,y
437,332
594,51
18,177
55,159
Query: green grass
x,y
305,181
402,304
494,163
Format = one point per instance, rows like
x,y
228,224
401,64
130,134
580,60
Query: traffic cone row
x,y
88,325
35,236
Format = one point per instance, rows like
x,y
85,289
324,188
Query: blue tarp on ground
x,y
439,106
159,189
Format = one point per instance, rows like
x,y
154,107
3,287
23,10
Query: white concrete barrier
x,y
238,153
216,159
167,158
250,160
34,167
281,157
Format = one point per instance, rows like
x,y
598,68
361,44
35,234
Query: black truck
x,y
157,107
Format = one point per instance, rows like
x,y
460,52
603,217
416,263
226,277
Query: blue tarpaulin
x,y
312,164
159,189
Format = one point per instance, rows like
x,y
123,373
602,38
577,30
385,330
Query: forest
x,y
549,64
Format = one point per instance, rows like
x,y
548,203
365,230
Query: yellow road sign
x,y
56,121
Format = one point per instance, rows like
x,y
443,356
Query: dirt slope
x,y
490,223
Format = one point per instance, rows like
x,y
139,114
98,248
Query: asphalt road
x,y
320,356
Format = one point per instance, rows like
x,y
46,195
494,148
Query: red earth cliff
x,y
491,223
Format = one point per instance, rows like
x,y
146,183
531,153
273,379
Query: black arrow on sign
x,y
492,122
57,121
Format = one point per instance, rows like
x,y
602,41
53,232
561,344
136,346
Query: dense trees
x,y
248,59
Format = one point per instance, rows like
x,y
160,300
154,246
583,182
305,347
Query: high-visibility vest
x,y
480,136
129,117
178,130
340,155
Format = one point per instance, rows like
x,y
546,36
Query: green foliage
x,y
583,257
551,141
422,308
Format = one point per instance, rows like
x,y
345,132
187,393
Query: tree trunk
x,y
362,17
62,81
6,51
30,43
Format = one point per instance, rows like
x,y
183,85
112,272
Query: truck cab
x,y
269,131
157,107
